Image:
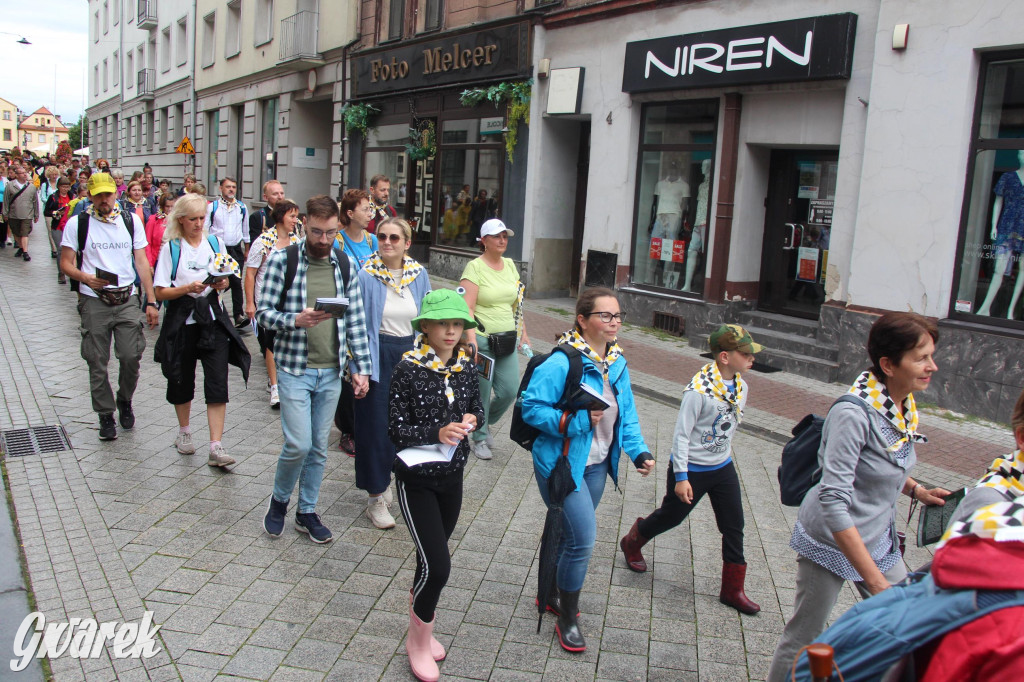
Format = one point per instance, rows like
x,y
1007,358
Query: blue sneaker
x,y
273,522
310,524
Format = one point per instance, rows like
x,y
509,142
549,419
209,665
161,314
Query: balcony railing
x,y
147,83
299,38
147,14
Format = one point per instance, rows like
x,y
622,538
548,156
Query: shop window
x,y
268,139
469,180
673,213
991,276
395,19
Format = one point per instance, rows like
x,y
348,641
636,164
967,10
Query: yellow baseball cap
x,y
100,183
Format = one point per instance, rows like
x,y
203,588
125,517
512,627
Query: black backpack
x,y
291,266
83,234
522,433
799,471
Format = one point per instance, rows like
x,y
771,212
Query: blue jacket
x,y
374,295
543,392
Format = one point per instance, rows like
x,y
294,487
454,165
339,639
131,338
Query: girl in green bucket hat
x,y
435,401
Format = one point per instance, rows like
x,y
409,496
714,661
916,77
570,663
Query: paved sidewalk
x,y
113,529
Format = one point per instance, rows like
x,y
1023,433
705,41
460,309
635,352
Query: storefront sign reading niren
x,y
816,48
467,57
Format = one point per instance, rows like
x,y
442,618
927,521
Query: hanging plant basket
x,y
358,116
516,98
422,143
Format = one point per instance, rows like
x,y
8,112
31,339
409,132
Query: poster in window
x,y
807,264
810,180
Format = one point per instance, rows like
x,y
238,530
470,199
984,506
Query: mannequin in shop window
x,y
670,197
700,225
1007,235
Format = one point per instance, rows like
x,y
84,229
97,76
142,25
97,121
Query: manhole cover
x,y
34,441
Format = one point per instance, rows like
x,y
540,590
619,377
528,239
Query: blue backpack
x,y
175,246
216,203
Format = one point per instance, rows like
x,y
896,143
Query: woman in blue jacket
x,y
595,440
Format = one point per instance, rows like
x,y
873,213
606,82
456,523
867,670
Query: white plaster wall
x,y
916,148
771,118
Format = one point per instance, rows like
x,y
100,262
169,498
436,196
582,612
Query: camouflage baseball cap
x,y
733,337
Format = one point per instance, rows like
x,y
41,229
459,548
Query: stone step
x,y
776,340
779,323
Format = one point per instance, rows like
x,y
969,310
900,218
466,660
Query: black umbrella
x,y
560,484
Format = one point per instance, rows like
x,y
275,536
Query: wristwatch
x,y
151,303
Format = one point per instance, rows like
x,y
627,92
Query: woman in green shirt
x,y
494,294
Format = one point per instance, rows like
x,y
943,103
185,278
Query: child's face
x,y
443,334
736,360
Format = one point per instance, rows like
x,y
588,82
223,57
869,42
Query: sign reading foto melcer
x,y
816,48
500,51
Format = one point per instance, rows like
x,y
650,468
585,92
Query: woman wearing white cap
x,y
494,294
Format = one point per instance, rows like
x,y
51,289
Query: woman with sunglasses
x,y
596,437
393,286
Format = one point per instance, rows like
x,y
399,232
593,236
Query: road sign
x,y
185,147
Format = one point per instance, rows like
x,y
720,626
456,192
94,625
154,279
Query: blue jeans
x,y
307,408
579,525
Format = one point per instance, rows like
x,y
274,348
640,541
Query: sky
x,y
59,54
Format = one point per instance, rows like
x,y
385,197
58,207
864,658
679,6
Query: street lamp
x,y
22,41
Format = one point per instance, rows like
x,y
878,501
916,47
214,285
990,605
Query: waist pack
x,y
799,471
502,344
114,296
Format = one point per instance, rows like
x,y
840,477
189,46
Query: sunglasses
x,y
393,238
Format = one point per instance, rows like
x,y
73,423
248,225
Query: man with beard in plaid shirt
x,y
311,350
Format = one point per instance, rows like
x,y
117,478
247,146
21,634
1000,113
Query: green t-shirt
x,y
496,300
323,338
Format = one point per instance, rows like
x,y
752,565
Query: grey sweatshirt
x,y
704,430
860,481
25,207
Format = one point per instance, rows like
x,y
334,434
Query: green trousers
x,y
504,383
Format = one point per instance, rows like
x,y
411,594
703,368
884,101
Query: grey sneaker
x,y
183,444
218,458
377,512
480,449
489,440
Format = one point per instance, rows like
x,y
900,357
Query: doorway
x,y
580,208
797,229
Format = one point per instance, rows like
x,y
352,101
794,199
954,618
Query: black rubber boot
x,y
567,627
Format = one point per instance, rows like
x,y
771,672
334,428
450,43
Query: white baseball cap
x,y
494,226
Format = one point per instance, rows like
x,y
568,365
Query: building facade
x,y
41,131
105,78
8,125
799,167
268,87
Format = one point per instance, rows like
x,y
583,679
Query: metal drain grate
x,y
34,441
667,322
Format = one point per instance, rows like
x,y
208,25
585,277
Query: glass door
x,y
797,229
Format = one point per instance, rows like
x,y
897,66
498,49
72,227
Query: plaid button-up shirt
x,y
290,346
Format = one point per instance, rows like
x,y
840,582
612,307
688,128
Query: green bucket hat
x,y
443,304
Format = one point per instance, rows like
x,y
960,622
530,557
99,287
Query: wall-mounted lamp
x,y
543,68
899,36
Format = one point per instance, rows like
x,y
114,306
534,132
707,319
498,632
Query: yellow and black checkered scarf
x,y
709,382
1002,520
575,339
111,217
1005,474
269,239
868,388
424,356
410,271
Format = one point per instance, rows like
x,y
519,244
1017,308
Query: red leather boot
x,y
732,593
631,545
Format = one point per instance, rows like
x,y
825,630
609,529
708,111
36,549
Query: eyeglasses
x,y
608,317
393,238
320,234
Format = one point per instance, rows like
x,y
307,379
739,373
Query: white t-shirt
x,y
604,432
670,195
399,309
229,222
192,264
108,246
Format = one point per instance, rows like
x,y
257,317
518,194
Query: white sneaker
x,y
275,400
480,449
377,512
183,444
218,458
388,495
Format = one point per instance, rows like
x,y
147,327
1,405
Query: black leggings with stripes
x,y
431,509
